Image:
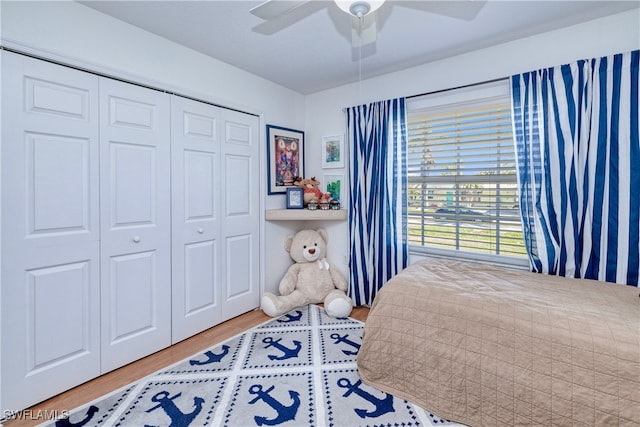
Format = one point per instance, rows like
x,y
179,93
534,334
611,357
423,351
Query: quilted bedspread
x,y
485,346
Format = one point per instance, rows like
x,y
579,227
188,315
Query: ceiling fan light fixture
x,y
359,8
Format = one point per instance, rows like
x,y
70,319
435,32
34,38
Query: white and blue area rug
x,y
297,370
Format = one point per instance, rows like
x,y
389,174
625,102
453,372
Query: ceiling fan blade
x,y
273,8
459,9
289,18
364,30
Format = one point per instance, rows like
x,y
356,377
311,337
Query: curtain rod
x,y
458,87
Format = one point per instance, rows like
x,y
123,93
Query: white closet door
x,y
195,217
135,222
50,264
240,221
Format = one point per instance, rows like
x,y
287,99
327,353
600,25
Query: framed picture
x,y
335,185
333,151
285,154
295,198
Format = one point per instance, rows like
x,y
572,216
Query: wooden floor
x,y
134,371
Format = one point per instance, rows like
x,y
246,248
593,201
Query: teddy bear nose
x,y
312,251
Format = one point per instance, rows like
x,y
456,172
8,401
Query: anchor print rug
x,y
296,370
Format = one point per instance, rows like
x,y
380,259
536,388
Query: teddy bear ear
x,y
287,243
323,234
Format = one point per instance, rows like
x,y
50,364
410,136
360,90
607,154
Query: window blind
x,y
462,186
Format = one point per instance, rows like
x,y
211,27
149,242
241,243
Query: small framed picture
x,y
295,198
335,185
333,152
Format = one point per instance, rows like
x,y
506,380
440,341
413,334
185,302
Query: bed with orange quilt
x,y
486,346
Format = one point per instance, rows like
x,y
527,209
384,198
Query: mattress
x,y
485,346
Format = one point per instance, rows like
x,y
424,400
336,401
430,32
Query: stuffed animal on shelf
x,y
312,279
311,187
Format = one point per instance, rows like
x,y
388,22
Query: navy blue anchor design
x,y
336,336
285,413
382,405
178,418
288,353
211,357
90,413
291,317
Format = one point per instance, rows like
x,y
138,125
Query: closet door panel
x,y
50,263
200,268
135,222
240,222
195,188
132,281
132,179
199,179
239,262
55,292
238,203
58,183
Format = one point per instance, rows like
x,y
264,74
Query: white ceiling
x,y
310,49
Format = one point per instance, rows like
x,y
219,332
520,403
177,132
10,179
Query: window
x,y
462,184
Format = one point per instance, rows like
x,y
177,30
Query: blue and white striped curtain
x,y
578,164
378,201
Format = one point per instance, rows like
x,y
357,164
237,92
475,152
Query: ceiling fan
x,y
363,12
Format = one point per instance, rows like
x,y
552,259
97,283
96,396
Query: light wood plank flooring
x,y
104,384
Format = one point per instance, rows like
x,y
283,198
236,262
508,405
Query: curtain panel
x,y
578,166
378,201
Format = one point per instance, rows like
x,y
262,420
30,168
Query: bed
x,y
485,346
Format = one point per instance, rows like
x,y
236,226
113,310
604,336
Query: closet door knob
x,y
200,230
136,239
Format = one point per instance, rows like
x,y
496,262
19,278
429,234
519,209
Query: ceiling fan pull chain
x,y
360,58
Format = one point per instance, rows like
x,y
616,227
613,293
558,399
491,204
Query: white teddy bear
x,y
312,279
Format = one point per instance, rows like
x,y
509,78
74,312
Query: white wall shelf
x,y
305,215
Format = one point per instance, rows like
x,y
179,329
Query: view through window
x,y
462,185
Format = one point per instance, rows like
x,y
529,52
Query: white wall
x,y
324,116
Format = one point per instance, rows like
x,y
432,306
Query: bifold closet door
x,y
195,188
240,213
135,222
50,230
215,215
